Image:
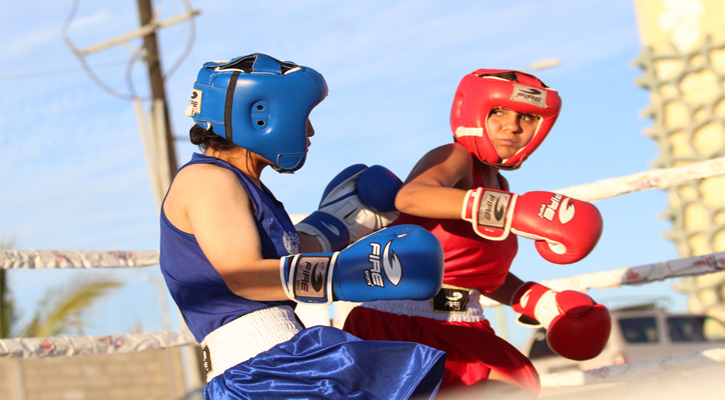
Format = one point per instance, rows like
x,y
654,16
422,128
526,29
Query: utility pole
x,y
158,92
165,158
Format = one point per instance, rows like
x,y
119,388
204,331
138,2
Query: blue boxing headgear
x,y
259,103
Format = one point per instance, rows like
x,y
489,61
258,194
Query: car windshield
x,y
686,329
639,329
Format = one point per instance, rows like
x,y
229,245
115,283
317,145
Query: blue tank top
x,y
203,298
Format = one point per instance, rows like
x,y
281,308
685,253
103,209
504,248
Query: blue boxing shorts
x,y
323,362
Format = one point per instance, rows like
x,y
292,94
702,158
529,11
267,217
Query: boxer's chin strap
x,y
282,170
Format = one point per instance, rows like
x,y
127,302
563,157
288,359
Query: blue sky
x,y
72,165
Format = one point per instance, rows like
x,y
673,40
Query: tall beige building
x,y
683,63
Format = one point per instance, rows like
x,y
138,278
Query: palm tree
x,y
8,314
60,310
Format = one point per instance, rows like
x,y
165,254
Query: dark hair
x,y
205,138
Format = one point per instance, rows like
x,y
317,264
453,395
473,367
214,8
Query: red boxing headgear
x,y
485,89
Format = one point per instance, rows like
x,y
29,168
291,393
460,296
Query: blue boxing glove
x,y
357,202
400,262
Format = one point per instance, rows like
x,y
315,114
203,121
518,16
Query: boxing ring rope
x,y
85,345
599,190
41,259
691,266
653,179
89,345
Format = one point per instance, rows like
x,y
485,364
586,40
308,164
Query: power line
x,y
51,73
148,28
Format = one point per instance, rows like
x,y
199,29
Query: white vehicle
x,y
638,334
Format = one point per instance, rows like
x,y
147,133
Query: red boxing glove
x,y
565,229
576,327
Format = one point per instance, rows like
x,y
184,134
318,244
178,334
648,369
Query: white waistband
x,y
247,336
424,308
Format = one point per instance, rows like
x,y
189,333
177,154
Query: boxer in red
x,y
457,192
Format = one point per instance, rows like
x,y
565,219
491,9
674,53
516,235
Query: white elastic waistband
x,y
247,336
424,308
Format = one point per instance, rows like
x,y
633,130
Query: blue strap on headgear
x,y
259,103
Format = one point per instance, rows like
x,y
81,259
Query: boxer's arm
x,y
208,202
433,187
505,292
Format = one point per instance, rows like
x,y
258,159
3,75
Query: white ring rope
x,y
642,274
653,179
69,346
39,259
86,345
600,280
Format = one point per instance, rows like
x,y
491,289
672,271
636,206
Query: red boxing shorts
x,y
472,348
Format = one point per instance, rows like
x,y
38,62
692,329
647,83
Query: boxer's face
x,y
510,131
310,132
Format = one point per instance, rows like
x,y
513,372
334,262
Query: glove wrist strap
x,y
307,278
536,301
490,211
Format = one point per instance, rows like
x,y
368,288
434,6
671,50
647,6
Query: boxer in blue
x,y
236,266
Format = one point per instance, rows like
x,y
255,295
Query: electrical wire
x,y
135,55
189,43
81,59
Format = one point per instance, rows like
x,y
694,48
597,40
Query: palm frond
x,y
8,312
61,309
